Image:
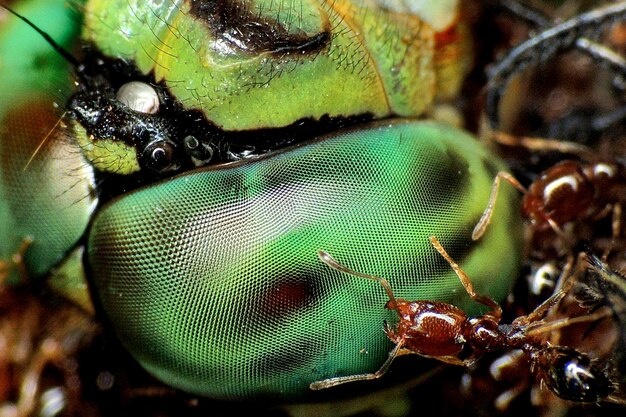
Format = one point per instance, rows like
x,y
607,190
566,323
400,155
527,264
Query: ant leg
x,y
48,352
542,144
557,229
614,400
4,272
503,401
332,382
453,360
496,310
482,224
330,261
616,226
541,327
507,368
18,257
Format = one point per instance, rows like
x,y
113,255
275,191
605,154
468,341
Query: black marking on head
x,y
444,181
94,105
233,21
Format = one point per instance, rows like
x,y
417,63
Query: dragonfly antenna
x,y
65,54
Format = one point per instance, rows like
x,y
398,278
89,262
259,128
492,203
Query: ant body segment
x,y
568,191
444,332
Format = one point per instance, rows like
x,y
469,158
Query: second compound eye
x,y
160,156
138,96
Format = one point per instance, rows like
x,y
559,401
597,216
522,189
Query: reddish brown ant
x,y
568,191
597,286
444,332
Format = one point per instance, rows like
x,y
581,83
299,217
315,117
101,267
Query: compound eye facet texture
x,y
212,280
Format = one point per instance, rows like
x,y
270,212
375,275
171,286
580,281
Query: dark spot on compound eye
x,y
458,169
298,356
447,180
289,295
233,22
459,245
446,183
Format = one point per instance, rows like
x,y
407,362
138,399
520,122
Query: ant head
x,y
572,375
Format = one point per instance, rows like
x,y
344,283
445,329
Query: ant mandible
x,y
444,332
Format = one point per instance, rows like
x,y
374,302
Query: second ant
x,y
444,332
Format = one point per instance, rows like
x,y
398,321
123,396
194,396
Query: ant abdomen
x,y
572,375
561,194
425,327
568,191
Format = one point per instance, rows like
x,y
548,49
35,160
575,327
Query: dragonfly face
x,y
250,141
245,77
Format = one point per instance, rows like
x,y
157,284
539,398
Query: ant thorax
x,y
487,335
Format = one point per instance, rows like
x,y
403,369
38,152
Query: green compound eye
x,y
212,280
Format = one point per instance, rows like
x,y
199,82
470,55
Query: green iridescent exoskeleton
x,y
212,281
247,65
45,192
256,59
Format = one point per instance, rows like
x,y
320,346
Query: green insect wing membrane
x,y
212,281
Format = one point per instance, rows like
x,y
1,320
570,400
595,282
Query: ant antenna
x,y
330,261
65,54
496,310
485,219
545,327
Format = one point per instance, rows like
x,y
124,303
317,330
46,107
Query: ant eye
x,y
139,97
159,156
